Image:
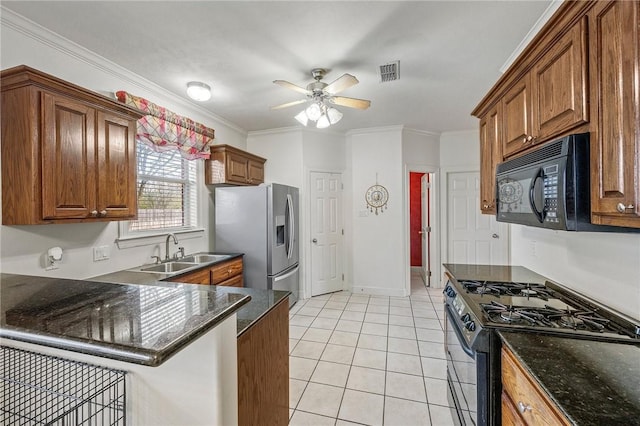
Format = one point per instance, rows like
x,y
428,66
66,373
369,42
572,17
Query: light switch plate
x,y
101,253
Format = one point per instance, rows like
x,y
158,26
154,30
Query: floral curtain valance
x,y
164,130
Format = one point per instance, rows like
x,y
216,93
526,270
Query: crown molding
x,y
549,11
382,129
421,132
63,45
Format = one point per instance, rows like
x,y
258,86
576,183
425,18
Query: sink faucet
x,y
175,241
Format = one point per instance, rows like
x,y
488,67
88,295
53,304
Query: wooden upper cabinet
x,y
230,165
516,118
117,167
552,98
490,156
559,85
68,158
615,139
68,154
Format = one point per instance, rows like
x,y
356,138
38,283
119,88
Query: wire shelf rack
x,y
40,389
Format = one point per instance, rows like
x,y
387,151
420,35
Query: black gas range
x,y
475,308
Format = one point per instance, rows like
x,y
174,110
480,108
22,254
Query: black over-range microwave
x,y
549,187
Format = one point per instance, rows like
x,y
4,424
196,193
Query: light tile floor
x,y
372,360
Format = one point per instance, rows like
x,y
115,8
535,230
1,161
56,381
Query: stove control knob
x,y
471,326
465,318
450,292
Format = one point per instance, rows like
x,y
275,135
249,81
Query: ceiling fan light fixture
x,y
334,115
323,122
302,118
314,111
198,91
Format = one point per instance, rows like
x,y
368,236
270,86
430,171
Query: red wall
x,y
415,214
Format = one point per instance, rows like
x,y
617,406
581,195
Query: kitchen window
x,y
167,194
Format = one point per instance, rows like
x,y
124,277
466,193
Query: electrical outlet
x,y
101,253
533,248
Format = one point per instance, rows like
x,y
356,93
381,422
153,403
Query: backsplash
x,y
602,266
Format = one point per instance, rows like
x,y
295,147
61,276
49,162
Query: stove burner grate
x,y
494,288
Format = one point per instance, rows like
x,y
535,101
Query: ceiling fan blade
x,y
292,86
288,104
341,83
350,102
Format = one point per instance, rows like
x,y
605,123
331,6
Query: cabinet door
x,y
510,416
615,141
559,85
237,168
68,158
224,271
255,171
490,156
516,107
116,193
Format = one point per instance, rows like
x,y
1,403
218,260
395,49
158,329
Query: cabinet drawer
x,y
532,404
236,281
226,270
198,277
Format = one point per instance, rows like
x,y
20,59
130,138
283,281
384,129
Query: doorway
x,y
422,231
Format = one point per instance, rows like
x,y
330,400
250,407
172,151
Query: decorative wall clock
x,y
377,197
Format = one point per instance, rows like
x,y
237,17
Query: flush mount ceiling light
x,y
320,97
198,91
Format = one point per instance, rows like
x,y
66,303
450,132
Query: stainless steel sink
x,y
205,258
169,267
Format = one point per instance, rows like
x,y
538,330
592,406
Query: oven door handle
x,y
463,343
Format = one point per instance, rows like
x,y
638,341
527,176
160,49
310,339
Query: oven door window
x,y
461,374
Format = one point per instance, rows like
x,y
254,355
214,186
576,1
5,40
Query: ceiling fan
x,y
321,95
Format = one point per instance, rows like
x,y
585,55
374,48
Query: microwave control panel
x,y
550,192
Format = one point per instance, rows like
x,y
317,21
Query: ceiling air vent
x,y
390,72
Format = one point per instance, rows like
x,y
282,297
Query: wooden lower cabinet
x,y
523,401
228,273
263,370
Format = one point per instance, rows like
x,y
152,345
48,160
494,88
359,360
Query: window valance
x,y
163,130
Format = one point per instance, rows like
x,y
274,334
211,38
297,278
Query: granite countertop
x,y
133,323
499,273
593,383
261,300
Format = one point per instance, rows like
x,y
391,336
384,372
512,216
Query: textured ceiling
x,y
449,52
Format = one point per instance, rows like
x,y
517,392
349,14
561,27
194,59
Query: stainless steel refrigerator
x,y
261,222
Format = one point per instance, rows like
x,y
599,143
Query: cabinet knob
x,y
623,209
527,138
94,213
103,212
485,206
495,236
524,407
315,241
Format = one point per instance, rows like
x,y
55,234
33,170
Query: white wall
x,y
292,153
460,150
604,266
22,248
377,241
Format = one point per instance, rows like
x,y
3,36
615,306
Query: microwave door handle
x,y
532,196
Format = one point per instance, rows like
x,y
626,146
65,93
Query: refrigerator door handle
x,y
291,226
287,275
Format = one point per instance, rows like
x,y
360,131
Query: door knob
x,y
315,241
495,236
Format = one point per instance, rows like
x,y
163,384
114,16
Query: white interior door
x,y
473,238
326,232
